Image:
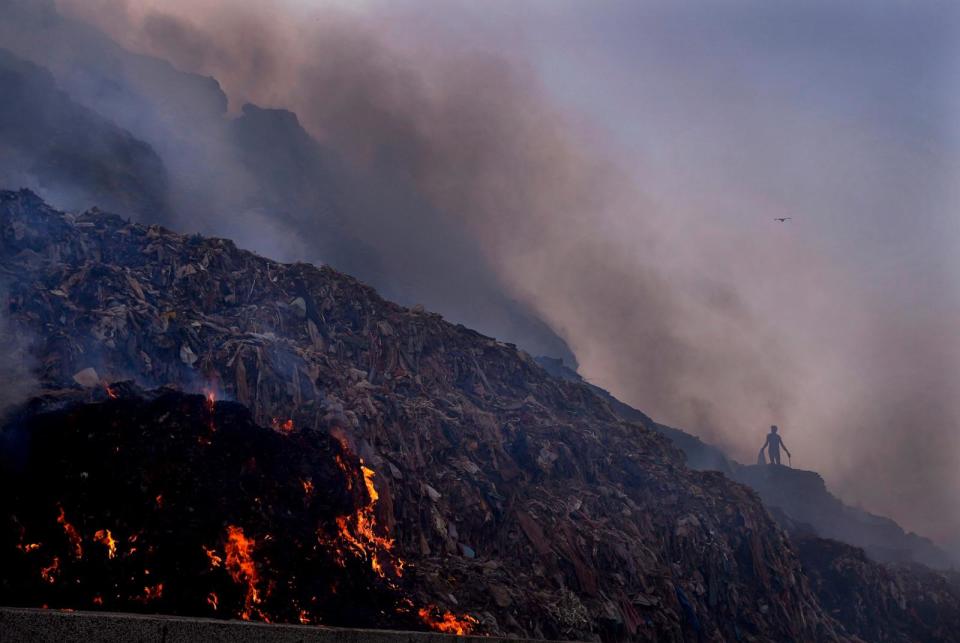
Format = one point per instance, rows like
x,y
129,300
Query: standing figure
x,y
773,444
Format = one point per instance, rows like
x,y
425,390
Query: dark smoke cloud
x,y
51,143
438,168
256,175
843,116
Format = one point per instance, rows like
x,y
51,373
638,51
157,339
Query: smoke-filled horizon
x,y
616,169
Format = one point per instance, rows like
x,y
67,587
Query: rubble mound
x,y
175,503
804,497
517,498
897,603
798,499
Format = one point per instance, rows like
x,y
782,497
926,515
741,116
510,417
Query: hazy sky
x,y
841,115
641,151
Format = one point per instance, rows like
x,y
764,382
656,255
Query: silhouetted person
x,y
773,444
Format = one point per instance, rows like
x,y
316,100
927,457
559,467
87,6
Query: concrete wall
x,y
29,625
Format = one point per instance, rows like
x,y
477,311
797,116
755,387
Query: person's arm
x,y
785,447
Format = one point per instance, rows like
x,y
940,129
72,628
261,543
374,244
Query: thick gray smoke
x,y
256,175
425,164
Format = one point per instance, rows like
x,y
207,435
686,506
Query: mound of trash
x,y
519,503
901,602
176,503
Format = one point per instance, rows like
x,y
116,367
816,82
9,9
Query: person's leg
x,y
774,456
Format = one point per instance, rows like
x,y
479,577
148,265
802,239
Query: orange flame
x,y
111,393
106,538
132,539
210,401
307,486
151,593
448,623
240,565
368,475
22,546
304,617
212,600
348,473
215,560
98,600
359,531
49,574
284,427
72,534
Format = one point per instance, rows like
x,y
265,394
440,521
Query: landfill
x,y
463,486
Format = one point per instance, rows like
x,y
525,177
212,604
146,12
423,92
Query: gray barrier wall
x,y
29,625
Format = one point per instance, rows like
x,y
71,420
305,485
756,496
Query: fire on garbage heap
x,y
375,465
163,502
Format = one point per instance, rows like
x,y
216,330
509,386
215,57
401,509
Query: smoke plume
x,y
436,163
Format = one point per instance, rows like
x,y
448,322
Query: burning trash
x,y
359,531
49,573
240,565
71,532
104,537
108,462
448,623
372,462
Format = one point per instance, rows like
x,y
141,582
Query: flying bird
x,y
782,219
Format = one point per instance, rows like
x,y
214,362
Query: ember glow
x,y
215,560
104,537
274,554
49,573
243,570
283,426
448,623
341,463
72,535
26,547
151,593
132,540
210,400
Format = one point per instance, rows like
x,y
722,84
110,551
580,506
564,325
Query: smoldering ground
x,y
466,174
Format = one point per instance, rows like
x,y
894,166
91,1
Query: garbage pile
x,y
897,603
804,497
166,502
515,500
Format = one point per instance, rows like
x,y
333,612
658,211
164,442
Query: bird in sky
x,y
782,219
